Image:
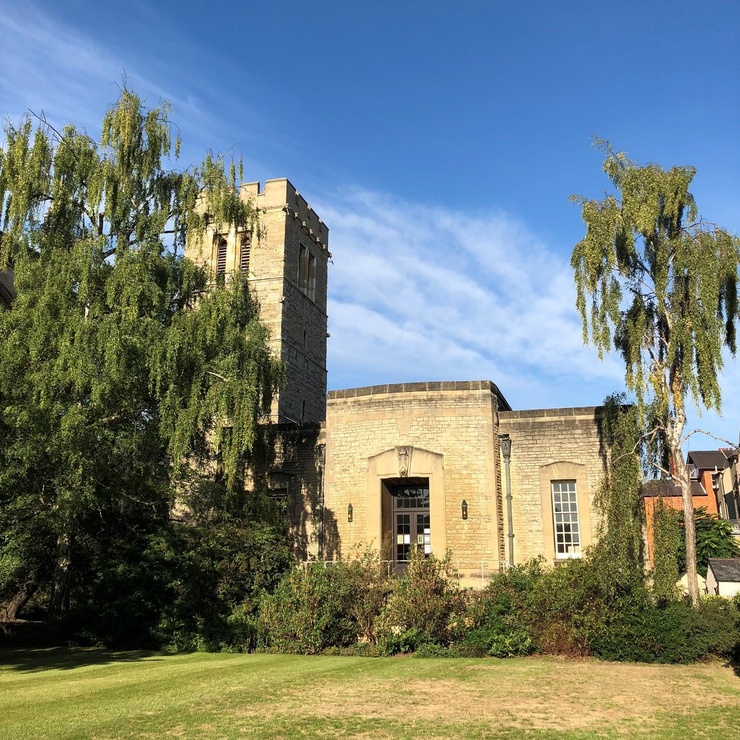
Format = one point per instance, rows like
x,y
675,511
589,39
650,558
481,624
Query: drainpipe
x,y
321,460
506,452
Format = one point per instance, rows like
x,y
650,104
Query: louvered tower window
x,y
245,249
221,255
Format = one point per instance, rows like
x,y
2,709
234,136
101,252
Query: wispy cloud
x,y
421,292
52,67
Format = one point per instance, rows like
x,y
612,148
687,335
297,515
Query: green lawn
x,y
100,694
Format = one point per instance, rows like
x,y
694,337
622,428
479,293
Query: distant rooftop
x,y
725,569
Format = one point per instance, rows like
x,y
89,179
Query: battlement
x,y
280,193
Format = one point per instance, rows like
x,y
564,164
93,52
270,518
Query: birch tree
x,y
659,285
116,365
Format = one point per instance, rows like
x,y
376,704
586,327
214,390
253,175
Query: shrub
x,y
565,608
496,617
219,571
371,587
670,632
312,609
426,606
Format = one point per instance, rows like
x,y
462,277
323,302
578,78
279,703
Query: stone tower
x,y
287,268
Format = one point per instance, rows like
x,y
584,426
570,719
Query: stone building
x,y
442,466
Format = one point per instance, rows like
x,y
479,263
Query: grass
x,y
63,693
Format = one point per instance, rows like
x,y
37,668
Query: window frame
x,y
565,470
306,272
221,253
245,248
566,519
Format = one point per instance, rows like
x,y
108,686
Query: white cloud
x,y
422,292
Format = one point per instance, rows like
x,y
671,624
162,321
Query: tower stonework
x,y
285,259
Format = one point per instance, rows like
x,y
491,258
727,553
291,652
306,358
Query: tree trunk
x,y
682,478
680,474
21,598
60,585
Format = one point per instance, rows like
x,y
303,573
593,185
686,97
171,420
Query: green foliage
x,y
663,287
531,608
567,608
496,617
666,551
618,552
311,609
660,284
669,632
426,606
116,371
713,540
218,571
372,587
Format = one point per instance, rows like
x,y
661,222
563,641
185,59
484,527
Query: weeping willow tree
x,y
661,287
116,366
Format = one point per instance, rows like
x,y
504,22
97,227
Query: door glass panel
x,y
411,518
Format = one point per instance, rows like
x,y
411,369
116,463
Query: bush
x,y
371,587
219,572
316,607
426,606
564,608
671,632
495,619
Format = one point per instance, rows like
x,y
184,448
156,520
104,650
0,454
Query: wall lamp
x,y
464,509
350,513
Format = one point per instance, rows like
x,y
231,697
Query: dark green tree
x,y
714,539
619,548
119,372
666,549
661,286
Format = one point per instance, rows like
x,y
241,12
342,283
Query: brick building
x,y
443,466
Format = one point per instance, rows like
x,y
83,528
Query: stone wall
x,y
290,470
547,445
450,429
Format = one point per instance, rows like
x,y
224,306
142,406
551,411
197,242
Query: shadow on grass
x,y
734,663
65,658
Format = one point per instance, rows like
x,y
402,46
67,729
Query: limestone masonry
x,y
408,466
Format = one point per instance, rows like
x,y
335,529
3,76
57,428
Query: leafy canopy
x,y
659,283
662,285
118,370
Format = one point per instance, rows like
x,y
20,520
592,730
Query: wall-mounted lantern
x,y
350,513
464,509
505,441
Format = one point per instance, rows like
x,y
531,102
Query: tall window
x,y
221,245
307,272
565,519
245,250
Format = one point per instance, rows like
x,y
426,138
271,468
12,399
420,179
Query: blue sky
x,y
439,141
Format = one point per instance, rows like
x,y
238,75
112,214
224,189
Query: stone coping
x,y
431,386
567,411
